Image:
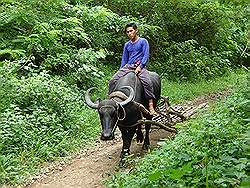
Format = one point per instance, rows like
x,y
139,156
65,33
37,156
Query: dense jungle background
x,y
51,51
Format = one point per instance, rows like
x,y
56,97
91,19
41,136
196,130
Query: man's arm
x,y
124,56
145,52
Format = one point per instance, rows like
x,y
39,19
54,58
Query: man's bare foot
x,y
153,112
151,107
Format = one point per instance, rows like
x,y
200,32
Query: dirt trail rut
x,y
89,170
91,166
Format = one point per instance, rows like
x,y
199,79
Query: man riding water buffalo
x,y
135,57
131,88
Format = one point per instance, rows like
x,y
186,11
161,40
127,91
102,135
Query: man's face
x,y
132,33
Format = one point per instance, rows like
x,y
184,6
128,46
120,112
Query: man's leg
x,y
148,88
120,73
151,106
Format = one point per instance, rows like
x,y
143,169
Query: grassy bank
x,y
181,91
210,151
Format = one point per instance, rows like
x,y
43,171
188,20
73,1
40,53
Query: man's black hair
x,y
131,24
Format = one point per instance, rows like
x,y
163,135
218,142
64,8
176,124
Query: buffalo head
x,y
108,112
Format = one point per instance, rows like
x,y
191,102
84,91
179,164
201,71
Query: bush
x,y
188,61
41,118
71,42
210,151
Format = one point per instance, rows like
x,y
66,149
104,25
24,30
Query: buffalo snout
x,y
107,136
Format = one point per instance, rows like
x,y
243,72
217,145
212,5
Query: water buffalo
x,y
121,110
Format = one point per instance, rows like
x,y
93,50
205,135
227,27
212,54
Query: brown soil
x,y
89,168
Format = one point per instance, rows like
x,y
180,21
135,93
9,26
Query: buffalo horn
x,y
89,101
130,97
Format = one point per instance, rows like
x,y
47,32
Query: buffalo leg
x,y
146,140
127,137
139,134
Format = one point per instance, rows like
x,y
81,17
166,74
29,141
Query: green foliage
x,y
210,151
52,49
71,42
180,92
188,61
41,118
104,28
82,70
11,54
213,31
208,36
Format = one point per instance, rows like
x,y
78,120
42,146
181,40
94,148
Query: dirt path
x,y
88,169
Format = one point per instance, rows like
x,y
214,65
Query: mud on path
x,y
89,168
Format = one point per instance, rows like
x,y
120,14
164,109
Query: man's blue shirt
x,y
135,53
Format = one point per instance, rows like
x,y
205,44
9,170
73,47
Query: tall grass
x,y
181,91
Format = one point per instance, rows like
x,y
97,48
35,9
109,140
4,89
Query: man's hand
x,y
138,70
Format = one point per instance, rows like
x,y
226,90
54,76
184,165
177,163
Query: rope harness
x,y
122,96
117,113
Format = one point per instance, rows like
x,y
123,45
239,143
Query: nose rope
x,y
124,113
114,128
118,118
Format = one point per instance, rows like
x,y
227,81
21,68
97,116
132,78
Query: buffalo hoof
x,y
146,146
122,163
124,155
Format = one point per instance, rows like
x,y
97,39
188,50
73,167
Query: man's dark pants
x,y
143,76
